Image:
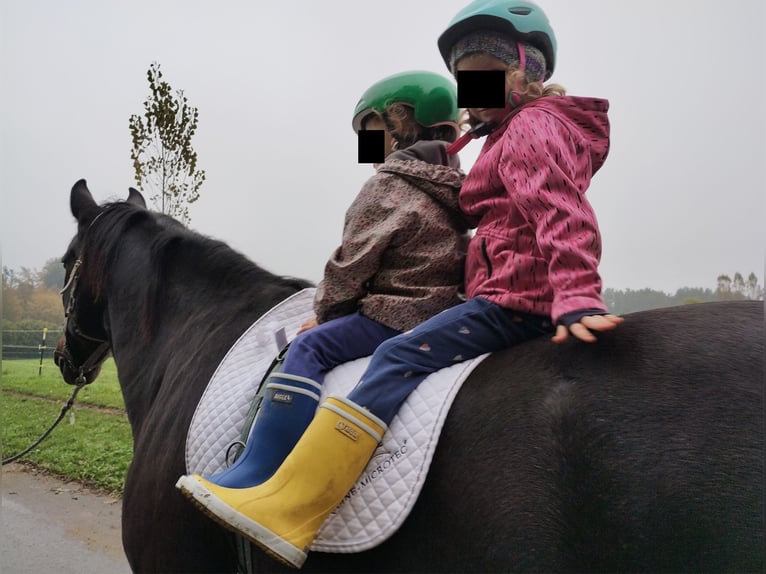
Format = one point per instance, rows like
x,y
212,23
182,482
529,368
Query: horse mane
x,y
169,242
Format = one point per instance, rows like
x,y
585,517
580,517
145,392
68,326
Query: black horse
x,y
643,452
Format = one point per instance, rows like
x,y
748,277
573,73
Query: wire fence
x,y
30,343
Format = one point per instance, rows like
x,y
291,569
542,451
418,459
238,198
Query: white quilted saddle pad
x,y
382,498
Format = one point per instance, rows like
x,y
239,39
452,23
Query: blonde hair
x,y
400,121
532,90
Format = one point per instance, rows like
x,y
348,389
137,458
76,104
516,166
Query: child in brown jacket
x,y
401,261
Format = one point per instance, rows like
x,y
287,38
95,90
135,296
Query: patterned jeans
x,y
460,333
313,353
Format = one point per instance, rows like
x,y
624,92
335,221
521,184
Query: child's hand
x,y
308,324
582,329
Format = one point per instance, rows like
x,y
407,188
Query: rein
x,y
69,405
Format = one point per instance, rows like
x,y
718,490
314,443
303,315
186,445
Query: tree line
x,y
31,298
621,301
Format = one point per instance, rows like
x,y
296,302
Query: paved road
x,y
47,525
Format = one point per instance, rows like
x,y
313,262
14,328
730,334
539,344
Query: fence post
x,y
42,351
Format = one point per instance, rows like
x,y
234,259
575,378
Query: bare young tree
x,y
737,288
164,161
754,291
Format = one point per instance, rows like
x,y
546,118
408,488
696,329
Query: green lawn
x,y
95,447
22,376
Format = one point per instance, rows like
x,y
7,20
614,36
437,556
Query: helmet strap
x,y
514,98
480,130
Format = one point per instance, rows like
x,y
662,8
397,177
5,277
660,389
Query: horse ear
x,y
135,197
82,204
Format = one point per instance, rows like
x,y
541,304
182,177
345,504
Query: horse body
x,y
642,452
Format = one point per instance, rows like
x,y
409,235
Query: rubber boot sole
x,y
232,520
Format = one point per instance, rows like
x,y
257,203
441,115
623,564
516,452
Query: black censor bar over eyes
x,y
481,89
372,147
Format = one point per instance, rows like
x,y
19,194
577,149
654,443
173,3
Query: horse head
x,y
85,344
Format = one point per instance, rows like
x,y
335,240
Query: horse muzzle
x,y
74,375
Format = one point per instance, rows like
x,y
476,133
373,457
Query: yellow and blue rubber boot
x,y
284,514
288,406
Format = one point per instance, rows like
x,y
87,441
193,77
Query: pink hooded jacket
x,y
537,245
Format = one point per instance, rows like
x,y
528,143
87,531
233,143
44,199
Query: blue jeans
x,y
313,353
457,334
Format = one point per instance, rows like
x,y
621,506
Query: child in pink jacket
x,y
531,267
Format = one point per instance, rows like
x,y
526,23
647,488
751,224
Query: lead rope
x,y
63,412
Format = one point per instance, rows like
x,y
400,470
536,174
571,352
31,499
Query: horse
x,y
642,452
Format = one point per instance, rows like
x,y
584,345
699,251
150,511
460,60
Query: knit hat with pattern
x,y
501,47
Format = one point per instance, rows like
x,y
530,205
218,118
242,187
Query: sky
x,y
680,199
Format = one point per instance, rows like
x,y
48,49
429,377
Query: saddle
x,y
384,495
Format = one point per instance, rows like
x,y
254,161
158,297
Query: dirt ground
x,y
49,525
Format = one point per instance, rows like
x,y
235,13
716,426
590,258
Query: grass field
x,y
94,446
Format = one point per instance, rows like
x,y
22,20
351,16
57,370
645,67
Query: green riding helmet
x,y
433,97
521,20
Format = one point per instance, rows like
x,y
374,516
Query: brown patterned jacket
x,y
404,242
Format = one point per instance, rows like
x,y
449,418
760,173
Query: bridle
x,y
103,346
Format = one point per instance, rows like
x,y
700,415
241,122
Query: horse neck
x,y
168,336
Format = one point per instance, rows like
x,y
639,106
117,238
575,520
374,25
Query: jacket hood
x,y
427,165
588,116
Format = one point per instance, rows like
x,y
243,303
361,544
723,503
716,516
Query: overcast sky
x,y
679,200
